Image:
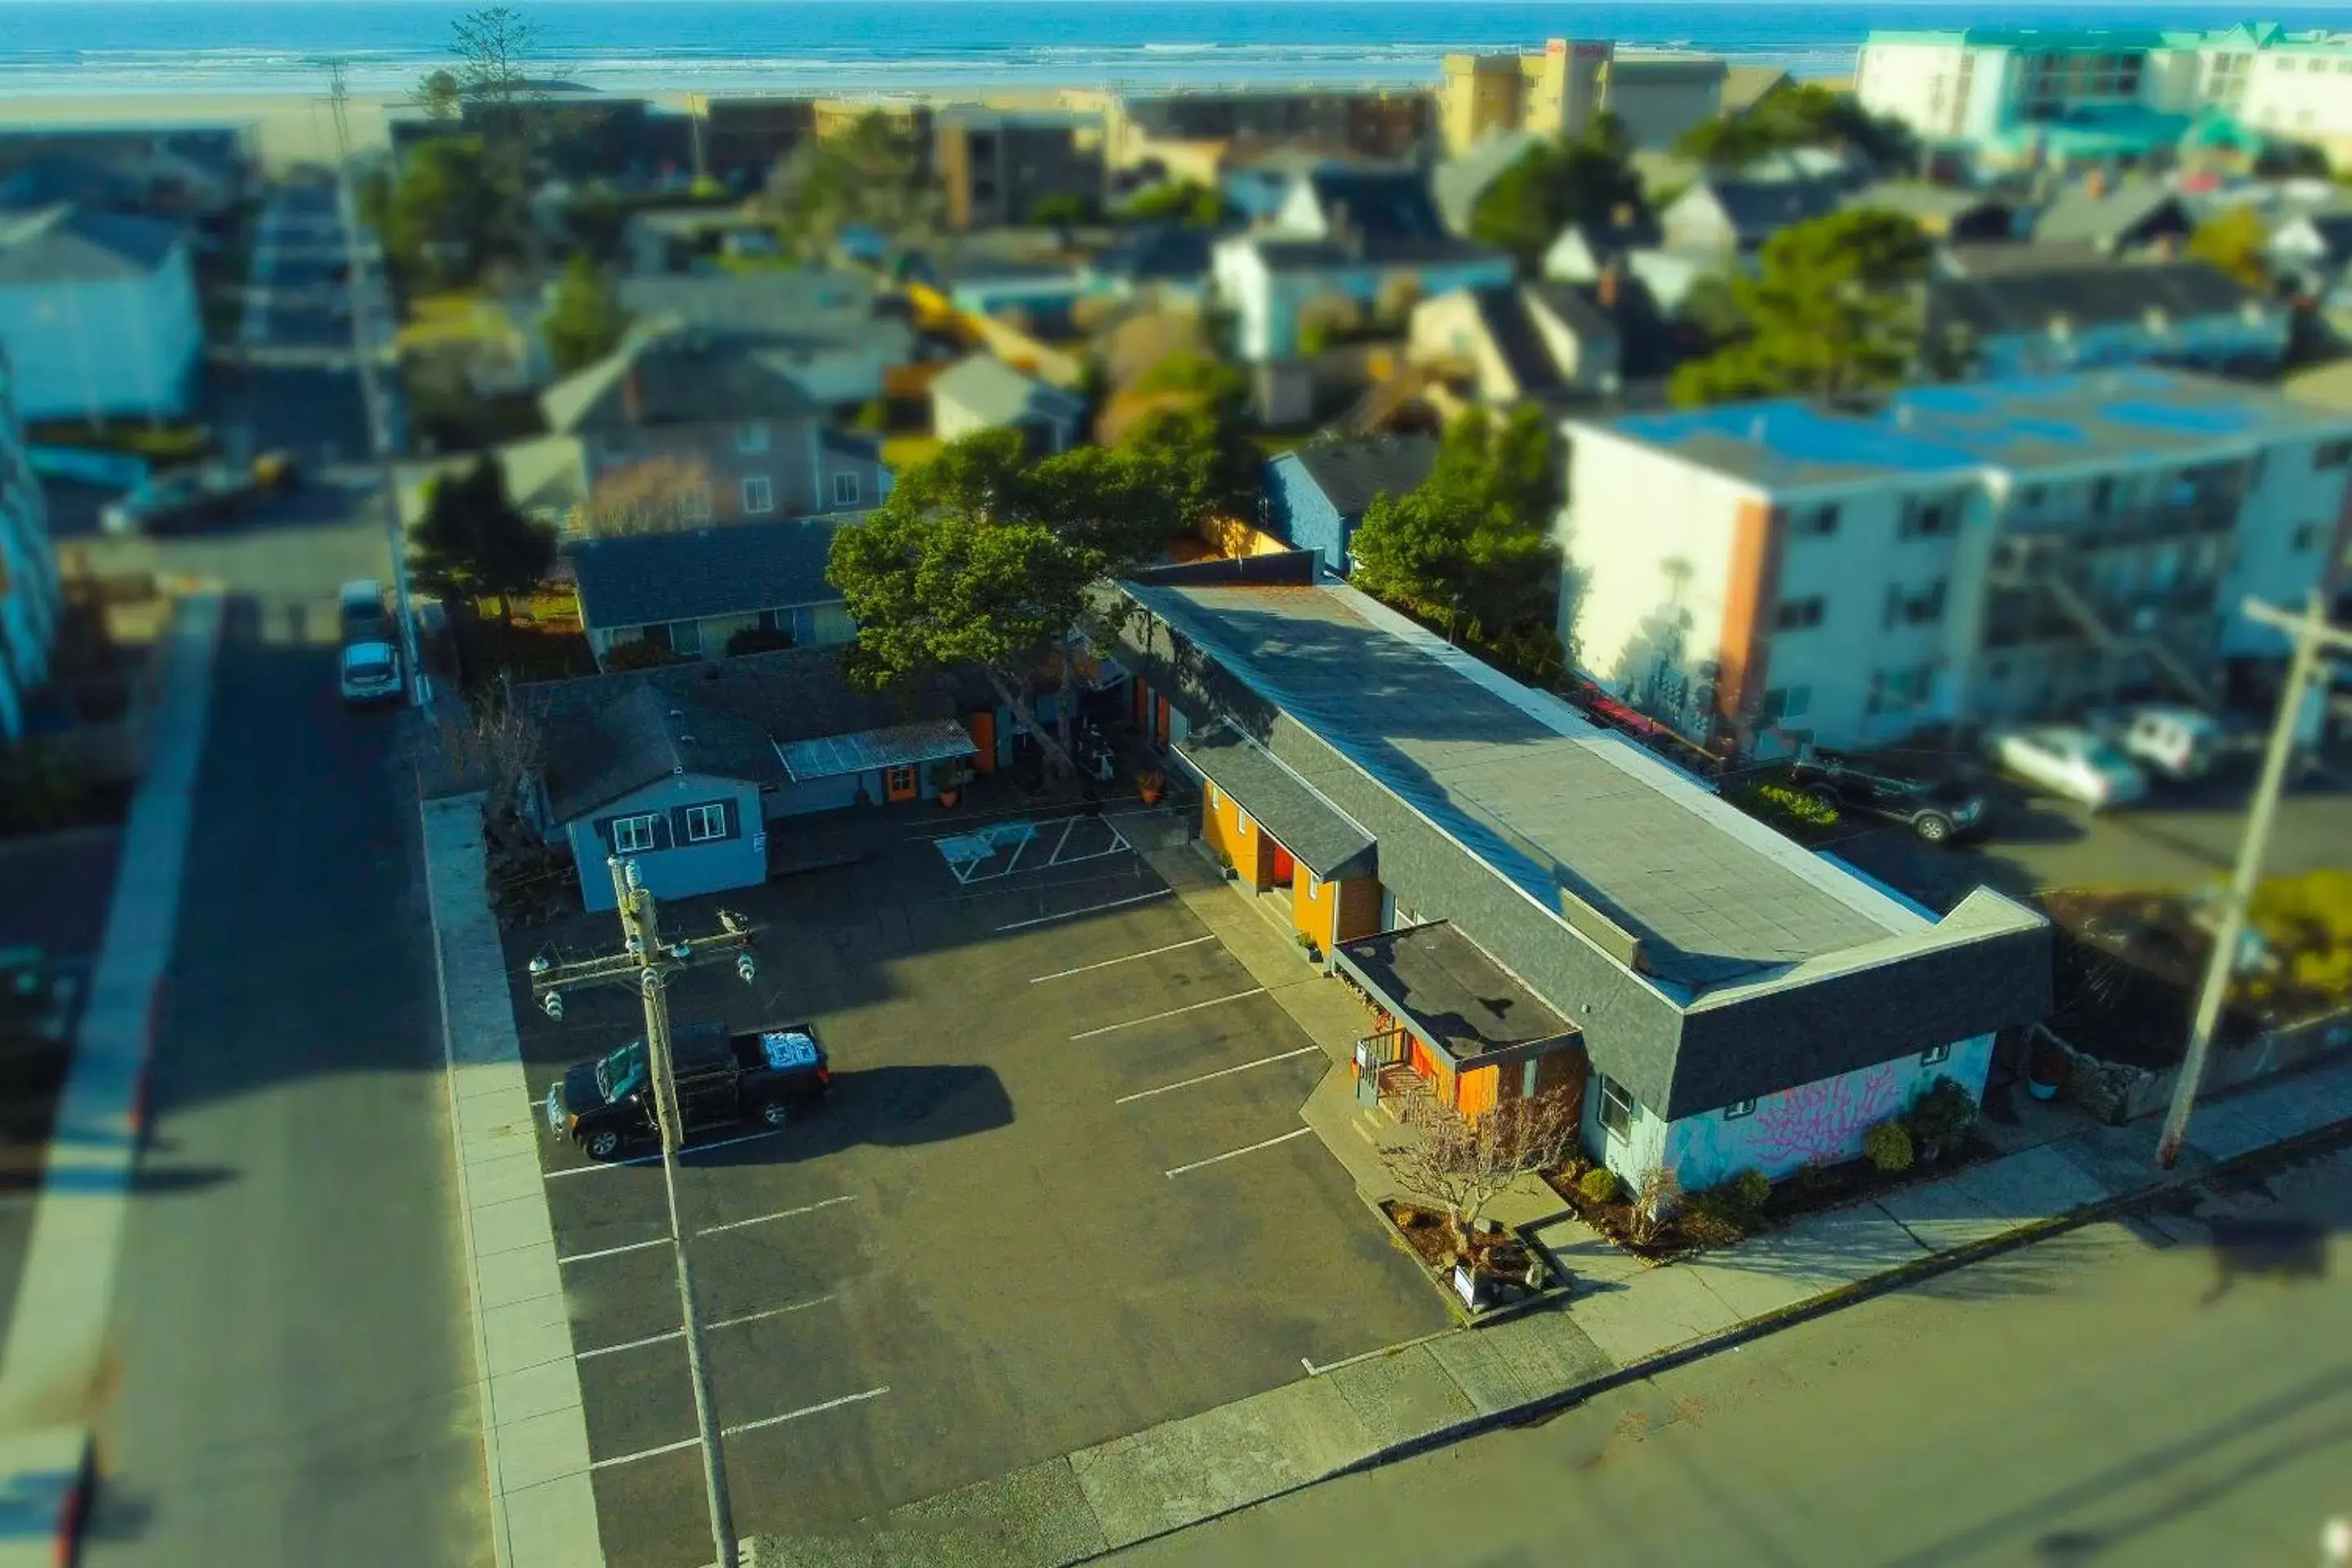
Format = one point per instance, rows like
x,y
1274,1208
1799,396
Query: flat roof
x,y
1439,985
2032,422
1578,818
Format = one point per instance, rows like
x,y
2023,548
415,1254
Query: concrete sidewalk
x,y
54,1369
1624,1318
535,1435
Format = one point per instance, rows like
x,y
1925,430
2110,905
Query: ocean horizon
x,y
84,48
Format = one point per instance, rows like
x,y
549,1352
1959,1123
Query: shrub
x,y
1943,1115
1599,1183
1805,1184
1751,1189
1725,1212
1888,1147
759,639
639,653
1797,804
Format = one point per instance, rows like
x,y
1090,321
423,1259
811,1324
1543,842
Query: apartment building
x,y
1361,123
995,166
1655,94
1760,574
30,603
2021,92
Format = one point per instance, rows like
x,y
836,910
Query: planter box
x,y
2118,1092
1483,1307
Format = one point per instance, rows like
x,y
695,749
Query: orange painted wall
x,y
1221,824
1750,600
1478,1089
1313,912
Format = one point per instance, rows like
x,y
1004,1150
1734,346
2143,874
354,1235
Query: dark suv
x,y
1938,810
769,1075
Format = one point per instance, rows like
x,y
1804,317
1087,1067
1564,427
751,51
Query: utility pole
x,y
645,964
2309,633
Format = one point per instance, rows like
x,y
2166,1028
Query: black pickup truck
x,y
769,1074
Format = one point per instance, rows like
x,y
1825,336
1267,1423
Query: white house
x,y
1760,574
29,600
983,393
99,312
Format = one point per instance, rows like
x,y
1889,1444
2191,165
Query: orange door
x,y
900,784
982,726
1285,867
1142,696
1159,725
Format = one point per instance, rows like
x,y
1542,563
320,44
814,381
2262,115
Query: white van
x,y
2176,743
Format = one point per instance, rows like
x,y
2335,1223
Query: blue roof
x,y
1800,434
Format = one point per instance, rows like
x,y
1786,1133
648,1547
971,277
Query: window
x,y
759,494
2305,538
2031,498
2331,455
1935,1056
632,834
705,822
686,637
1920,609
1796,614
2102,497
1737,1108
1213,796
1243,817
845,489
1616,1110
1900,690
1817,522
752,439
695,505
1785,702
1314,886
1930,518
900,781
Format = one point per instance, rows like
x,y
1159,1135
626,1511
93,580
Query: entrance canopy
x,y
1454,998
900,746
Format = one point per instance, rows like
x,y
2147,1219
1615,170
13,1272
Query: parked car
x,y
2071,762
1937,810
361,609
2173,743
370,674
769,1075
205,495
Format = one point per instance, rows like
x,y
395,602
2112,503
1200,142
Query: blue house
x,y
1315,496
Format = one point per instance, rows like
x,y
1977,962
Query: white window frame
x,y
1243,817
751,437
846,481
634,834
1737,1108
767,495
1935,1056
1314,886
1611,1092
709,814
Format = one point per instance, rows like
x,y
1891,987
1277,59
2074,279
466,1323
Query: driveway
x,y
1062,1193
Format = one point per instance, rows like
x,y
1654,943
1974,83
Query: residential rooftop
x,y
65,243
2028,422
1546,800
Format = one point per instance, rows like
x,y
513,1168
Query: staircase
x,y
2176,670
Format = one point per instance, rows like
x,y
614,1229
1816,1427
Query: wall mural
x,y
1820,1121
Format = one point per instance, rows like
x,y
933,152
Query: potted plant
x,y
946,778
2045,1070
1150,783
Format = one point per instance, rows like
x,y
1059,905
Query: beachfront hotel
x,y
2017,94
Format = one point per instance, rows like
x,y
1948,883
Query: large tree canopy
x,y
473,544
1199,442
1472,545
1833,307
870,176
1805,115
1550,188
981,559
584,320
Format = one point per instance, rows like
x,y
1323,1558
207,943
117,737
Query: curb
x,y
1758,1327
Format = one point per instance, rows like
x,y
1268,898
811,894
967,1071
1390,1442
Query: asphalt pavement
x,y
2109,1396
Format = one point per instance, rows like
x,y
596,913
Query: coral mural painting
x,y
1819,1122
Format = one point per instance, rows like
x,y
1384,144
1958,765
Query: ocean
x,y
54,47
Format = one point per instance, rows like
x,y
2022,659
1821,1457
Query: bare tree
x,y
437,93
492,743
660,495
493,48
1655,1201
1460,1164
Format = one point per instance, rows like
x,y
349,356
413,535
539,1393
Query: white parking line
x,y
1089,909
1173,1012
807,1410
1130,958
1237,1154
656,1159
780,1214
771,1313
1220,1072
615,1251
644,1453
721,1324
631,1344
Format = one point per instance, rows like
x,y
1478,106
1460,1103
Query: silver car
x,y
2071,762
371,674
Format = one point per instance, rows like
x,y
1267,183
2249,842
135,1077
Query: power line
x,y
646,964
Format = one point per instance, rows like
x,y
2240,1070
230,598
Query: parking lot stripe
x,y
771,1313
1173,1012
634,1345
806,1410
645,1454
656,1159
1130,958
1237,1154
1089,909
1220,1072
615,1251
780,1214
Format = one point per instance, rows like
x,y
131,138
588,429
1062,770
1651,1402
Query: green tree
x,y
1806,115
1064,211
1550,188
473,543
447,213
1200,447
2235,241
1185,201
871,175
493,47
584,321
1471,547
1833,307
436,94
980,559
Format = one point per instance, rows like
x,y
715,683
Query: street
x,y
295,1378
2100,1397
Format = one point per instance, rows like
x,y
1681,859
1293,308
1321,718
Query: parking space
x,y
1061,1192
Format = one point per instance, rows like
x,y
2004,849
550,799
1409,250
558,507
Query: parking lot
x,y
1061,1192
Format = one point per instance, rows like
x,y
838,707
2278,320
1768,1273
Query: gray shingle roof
x,y
2105,293
811,308
987,387
1758,209
666,377
1319,836
645,735
1457,183
729,569
69,244
1351,473
2112,218
1516,337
